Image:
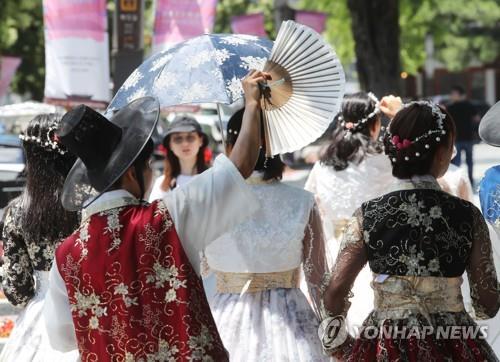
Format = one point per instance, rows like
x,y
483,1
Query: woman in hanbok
x,y
185,143
489,195
35,223
350,171
260,312
418,241
456,182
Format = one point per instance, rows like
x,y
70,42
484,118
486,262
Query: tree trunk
x,y
375,26
282,12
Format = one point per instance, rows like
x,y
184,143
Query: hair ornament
x,y
400,145
351,127
48,141
432,134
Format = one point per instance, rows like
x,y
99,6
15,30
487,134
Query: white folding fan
x,y
305,92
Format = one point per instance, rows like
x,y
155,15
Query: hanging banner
x,y
252,24
129,25
313,19
8,67
76,52
178,20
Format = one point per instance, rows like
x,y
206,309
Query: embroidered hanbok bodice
x,y
418,241
424,232
265,251
133,293
272,239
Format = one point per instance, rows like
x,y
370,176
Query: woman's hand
x,y
251,86
390,105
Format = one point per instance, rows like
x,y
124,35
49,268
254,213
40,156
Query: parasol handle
x,y
221,127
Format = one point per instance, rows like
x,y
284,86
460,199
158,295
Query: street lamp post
x,y
128,43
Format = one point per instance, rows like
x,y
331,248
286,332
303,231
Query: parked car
x,y
12,164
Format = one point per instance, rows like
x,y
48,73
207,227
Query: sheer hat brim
x,y
489,128
137,120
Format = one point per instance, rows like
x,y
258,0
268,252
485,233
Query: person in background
x,y
464,114
351,170
35,224
186,148
186,145
456,181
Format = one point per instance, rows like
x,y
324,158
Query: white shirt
x,y
202,210
340,193
157,193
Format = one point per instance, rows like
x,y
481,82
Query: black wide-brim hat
x,y
105,148
489,128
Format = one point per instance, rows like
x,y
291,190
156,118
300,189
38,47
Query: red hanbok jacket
x,y
132,290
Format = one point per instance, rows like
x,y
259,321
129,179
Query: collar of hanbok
x,y
109,200
416,182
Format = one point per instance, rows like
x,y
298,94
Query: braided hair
x,y
350,140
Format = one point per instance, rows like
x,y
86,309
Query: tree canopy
x,y
463,31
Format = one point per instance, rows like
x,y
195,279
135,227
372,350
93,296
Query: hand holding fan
x,y
306,90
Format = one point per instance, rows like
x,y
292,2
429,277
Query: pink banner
x,y
76,50
313,19
75,18
8,67
252,24
178,20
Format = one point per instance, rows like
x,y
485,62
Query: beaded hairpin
x,y
351,127
49,141
405,143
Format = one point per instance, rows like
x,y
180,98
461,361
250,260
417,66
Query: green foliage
x,y
463,30
226,9
21,35
338,26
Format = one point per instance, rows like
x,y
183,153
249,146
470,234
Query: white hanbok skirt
x,y
275,325
28,341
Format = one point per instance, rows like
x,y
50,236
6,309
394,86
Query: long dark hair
x,y
42,214
352,145
409,123
175,165
140,164
272,167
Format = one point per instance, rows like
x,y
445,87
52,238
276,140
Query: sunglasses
x,y
190,138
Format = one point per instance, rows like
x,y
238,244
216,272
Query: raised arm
x,y
17,271
484,287
246,150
